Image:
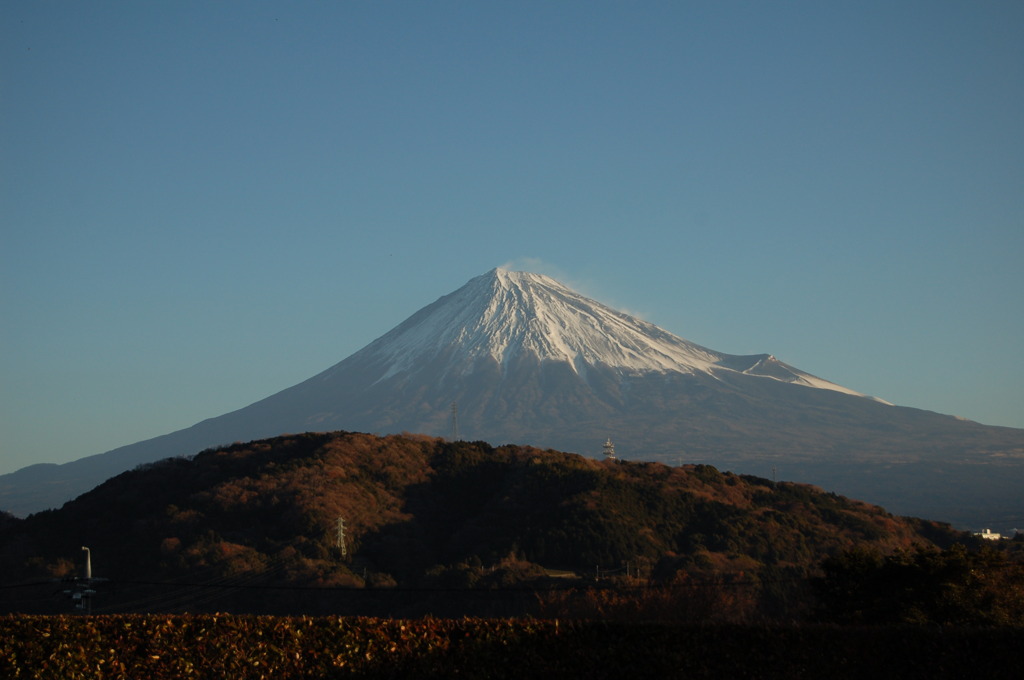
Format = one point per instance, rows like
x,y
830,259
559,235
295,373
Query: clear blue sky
x,y
203,203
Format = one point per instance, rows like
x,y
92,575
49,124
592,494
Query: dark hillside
x,y
419,512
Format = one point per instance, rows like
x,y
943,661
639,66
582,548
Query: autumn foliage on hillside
x,y
948,587
293,521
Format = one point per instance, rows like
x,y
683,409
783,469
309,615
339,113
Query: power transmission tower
x,y
342,544
455,422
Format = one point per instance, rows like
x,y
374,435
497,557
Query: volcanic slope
x,y
518,357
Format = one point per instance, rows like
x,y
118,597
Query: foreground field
x,y
259,647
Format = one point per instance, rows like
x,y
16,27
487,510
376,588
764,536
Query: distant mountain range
x,y
514,357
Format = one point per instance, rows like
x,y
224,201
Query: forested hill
x,y
412,510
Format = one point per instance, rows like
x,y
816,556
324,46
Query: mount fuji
x,y
515,357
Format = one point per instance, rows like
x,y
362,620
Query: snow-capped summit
x,y
503,315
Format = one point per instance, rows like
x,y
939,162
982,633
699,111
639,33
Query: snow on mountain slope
x,y
504,314
767,366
